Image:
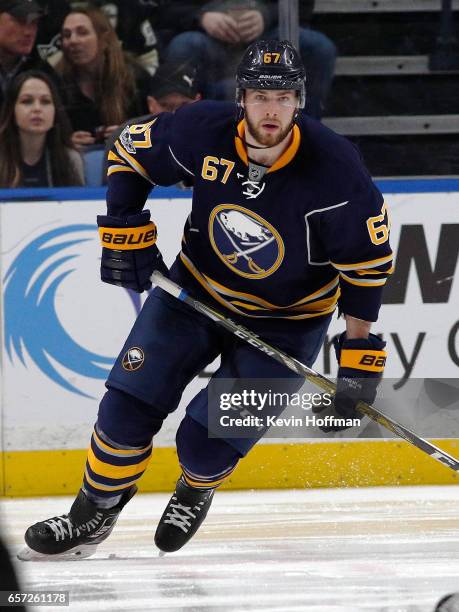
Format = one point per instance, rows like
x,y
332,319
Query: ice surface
x,y
334,550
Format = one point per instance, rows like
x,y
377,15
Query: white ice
x,y
379,549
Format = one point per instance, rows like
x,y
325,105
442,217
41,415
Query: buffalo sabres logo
x,y
245,242
133,359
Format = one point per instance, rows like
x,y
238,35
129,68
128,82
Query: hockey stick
x,y
314,377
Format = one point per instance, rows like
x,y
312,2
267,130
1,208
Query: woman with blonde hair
x,y
102,86
35,144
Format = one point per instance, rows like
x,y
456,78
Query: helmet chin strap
x,y
251,146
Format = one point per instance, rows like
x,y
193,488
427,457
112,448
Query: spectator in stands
x,y
18,30
223,28
102,86
35,145
172,87
133,22
49,29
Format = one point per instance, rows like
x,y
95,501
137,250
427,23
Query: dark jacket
x,y
186,15
24,63
84,113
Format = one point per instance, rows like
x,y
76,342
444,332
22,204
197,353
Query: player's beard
x,y
266,139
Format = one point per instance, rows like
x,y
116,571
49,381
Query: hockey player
x,y
286,226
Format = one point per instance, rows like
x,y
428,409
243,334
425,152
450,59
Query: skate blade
x,y
75,554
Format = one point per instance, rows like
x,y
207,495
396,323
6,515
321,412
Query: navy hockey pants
x,y
176,343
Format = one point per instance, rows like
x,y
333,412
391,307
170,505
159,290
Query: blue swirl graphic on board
x,y
31,320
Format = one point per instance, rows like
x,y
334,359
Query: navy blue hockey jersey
x,y
312,230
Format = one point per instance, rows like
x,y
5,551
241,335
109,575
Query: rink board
x,y
53,368
353,463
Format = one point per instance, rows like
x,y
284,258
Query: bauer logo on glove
x,y
361,365
129,253
128,238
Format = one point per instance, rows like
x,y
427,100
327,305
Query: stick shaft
x,y
308,373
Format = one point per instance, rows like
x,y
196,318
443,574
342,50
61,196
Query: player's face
x,y
80,44
269,114
17,36
34,110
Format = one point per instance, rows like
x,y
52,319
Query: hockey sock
x,y
206,462
112,468
198,481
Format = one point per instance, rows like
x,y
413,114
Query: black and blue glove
x,y
361,366
129,251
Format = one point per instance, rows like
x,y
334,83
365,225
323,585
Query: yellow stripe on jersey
x,y
364,282
365,272
232,305
263,303
197,275
317,306
312,315
132,162
113,169
113,157
373,263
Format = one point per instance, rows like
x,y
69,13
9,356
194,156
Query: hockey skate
x,y
74,535
182,517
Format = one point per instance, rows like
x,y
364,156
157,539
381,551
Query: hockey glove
x,y
361,365
129,252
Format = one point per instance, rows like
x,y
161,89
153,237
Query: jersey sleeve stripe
x,y
132,162
364,282
117,168
375,272
373,263
113,157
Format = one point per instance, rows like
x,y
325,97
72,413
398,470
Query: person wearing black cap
x,y
18,32
172,87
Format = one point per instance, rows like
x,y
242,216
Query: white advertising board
x,y
62,327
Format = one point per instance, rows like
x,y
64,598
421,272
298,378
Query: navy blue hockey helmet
x,y
271,64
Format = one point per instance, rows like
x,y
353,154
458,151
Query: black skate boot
x,y
183,515
73,535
